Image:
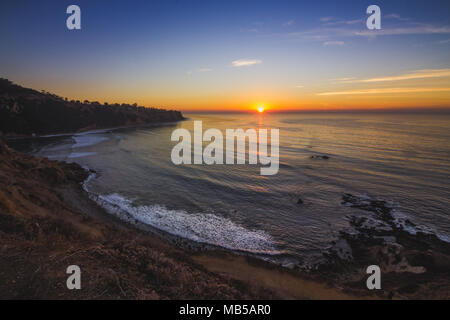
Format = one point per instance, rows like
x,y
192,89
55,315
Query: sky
x,y
232,55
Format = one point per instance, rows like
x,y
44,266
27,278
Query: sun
x,y
260,109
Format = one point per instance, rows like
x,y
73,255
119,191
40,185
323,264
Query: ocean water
x,y
402,158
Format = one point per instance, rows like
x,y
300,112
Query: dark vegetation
x,y
26,111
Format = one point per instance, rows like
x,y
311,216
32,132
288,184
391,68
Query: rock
x,y
342,250
381,208
299,201
36,113
320,157
4,149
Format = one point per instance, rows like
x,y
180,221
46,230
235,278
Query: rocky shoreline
x,y
415,263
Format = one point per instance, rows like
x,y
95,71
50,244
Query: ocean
x,y
402,158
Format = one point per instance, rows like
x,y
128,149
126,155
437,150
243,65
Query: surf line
x,y
214,152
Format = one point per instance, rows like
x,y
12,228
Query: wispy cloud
x,y
299,86
288,23
413,30
352,21
333,43
331,21
416,74
382,91
245,62
395,16
336,30
343,79
327,19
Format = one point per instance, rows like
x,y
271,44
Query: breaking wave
x,y
204,228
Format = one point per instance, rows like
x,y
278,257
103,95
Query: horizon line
x,y
377,110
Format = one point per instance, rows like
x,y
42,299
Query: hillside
x,y
26,111
47,223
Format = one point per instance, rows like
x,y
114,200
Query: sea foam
x,y
87,140
204,228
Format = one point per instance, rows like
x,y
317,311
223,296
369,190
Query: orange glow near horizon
x,y
323,95
274,101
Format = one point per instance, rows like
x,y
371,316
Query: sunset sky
x,y
232,55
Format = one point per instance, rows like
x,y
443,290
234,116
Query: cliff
x,y
26,111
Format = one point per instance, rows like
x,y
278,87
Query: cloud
x,y
334,22
288,23
414,30
245,62
332,31
416,74
343,79
395,16
327,19
251,30
333,43
382,90
299,86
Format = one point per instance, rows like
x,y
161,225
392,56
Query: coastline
x,y
49,222
88,131
251,271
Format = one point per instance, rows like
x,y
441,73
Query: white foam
x,y
91,176
87,140
443,237
80,154
199,227
401,221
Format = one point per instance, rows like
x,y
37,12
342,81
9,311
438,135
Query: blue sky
x,y
229,54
